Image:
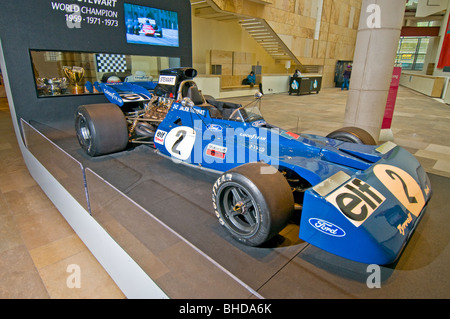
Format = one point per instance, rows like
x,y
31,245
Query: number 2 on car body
x,y
180,141
402,186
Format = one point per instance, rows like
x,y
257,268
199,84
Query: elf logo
x,y
160,137
356,200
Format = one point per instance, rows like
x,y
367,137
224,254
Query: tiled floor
x,y
37,246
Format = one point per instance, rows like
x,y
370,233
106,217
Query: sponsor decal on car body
x,y
326,227
160,137
167,79
214,128
216,151
357,200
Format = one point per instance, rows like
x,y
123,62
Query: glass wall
x,y
411,52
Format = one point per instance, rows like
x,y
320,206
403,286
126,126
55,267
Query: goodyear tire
x,y
101,129
352,135
253,207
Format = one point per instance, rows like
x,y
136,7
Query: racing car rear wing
x,y
123,92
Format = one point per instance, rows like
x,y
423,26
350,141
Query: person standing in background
x,y
347,74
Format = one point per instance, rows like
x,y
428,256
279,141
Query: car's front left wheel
x,y
253,202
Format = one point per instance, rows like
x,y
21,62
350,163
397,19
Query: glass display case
x,y
59,73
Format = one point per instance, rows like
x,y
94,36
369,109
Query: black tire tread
x,y
356,134
108,128
273,193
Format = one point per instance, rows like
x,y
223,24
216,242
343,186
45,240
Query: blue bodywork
x,y
363,203
373,222
122,92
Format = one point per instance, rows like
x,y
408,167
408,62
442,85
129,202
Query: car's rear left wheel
x,y
101,129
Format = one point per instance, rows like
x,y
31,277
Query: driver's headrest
x,y
194,94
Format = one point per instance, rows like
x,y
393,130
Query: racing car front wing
x,y
370,216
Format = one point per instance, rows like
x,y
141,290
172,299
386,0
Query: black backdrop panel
x,y
42,25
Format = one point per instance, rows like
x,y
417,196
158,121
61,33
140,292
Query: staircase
x,y
259,29
263,34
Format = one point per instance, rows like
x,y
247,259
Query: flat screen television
x,y
151,26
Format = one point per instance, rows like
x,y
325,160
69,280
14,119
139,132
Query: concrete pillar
x,y
376,46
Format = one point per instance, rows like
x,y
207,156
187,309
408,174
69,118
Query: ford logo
x,y
326,227
259,123
214,128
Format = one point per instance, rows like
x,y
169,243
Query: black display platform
x,y
286,267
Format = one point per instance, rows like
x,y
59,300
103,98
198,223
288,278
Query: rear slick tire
x,y
253,207
353,135
101,129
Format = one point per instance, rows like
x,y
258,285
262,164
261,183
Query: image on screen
x,y
151,26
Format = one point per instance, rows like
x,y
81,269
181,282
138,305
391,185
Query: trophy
x,y
51,86
75,75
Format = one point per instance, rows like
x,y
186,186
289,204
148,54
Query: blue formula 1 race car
x,y
356,199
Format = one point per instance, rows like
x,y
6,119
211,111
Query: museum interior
x,y
81,218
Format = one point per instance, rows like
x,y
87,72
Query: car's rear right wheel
x,y
353,135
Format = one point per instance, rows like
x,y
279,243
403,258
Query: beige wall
x,y
295,23
209,34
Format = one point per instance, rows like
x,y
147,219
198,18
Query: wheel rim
x,y
84,133
239,210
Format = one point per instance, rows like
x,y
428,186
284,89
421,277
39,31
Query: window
x,y
411,52
216,69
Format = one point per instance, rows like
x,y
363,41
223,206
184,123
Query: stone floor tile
x,y
19,278
442,165
57,250
61,279
438,148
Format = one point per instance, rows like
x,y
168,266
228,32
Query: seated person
x,y
250,80
297,73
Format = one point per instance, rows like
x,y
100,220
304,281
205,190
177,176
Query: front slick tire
x,y
253,204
